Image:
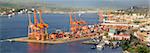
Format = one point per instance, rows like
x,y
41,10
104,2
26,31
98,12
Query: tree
x,y
143,49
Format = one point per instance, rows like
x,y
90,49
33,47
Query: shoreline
x,y
55,12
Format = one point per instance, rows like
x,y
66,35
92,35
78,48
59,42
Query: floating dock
x,y
57,41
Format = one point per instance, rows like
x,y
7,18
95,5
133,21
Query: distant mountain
x,y
27,4
19,3
74,3
6,4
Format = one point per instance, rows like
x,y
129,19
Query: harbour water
x,y
16,26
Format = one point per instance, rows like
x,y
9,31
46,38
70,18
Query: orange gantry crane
x,y
75,24
80,21
37,31
32,29
43,27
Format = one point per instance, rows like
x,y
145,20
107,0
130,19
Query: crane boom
x,y
41,20
71,22
35,18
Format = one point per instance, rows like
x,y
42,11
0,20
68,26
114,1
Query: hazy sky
x,y
88,3
100,3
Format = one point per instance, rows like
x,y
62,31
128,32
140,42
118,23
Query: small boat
x,y
100,46
9,15
93,47
58,30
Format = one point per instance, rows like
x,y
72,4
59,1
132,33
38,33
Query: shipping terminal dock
x,y
37,31
57,41
108,28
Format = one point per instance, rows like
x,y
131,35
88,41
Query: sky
x,y
87,3
100,3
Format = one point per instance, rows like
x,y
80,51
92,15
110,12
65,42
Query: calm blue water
x,y
16,26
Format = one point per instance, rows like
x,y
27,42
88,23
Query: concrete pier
x,y
25,39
